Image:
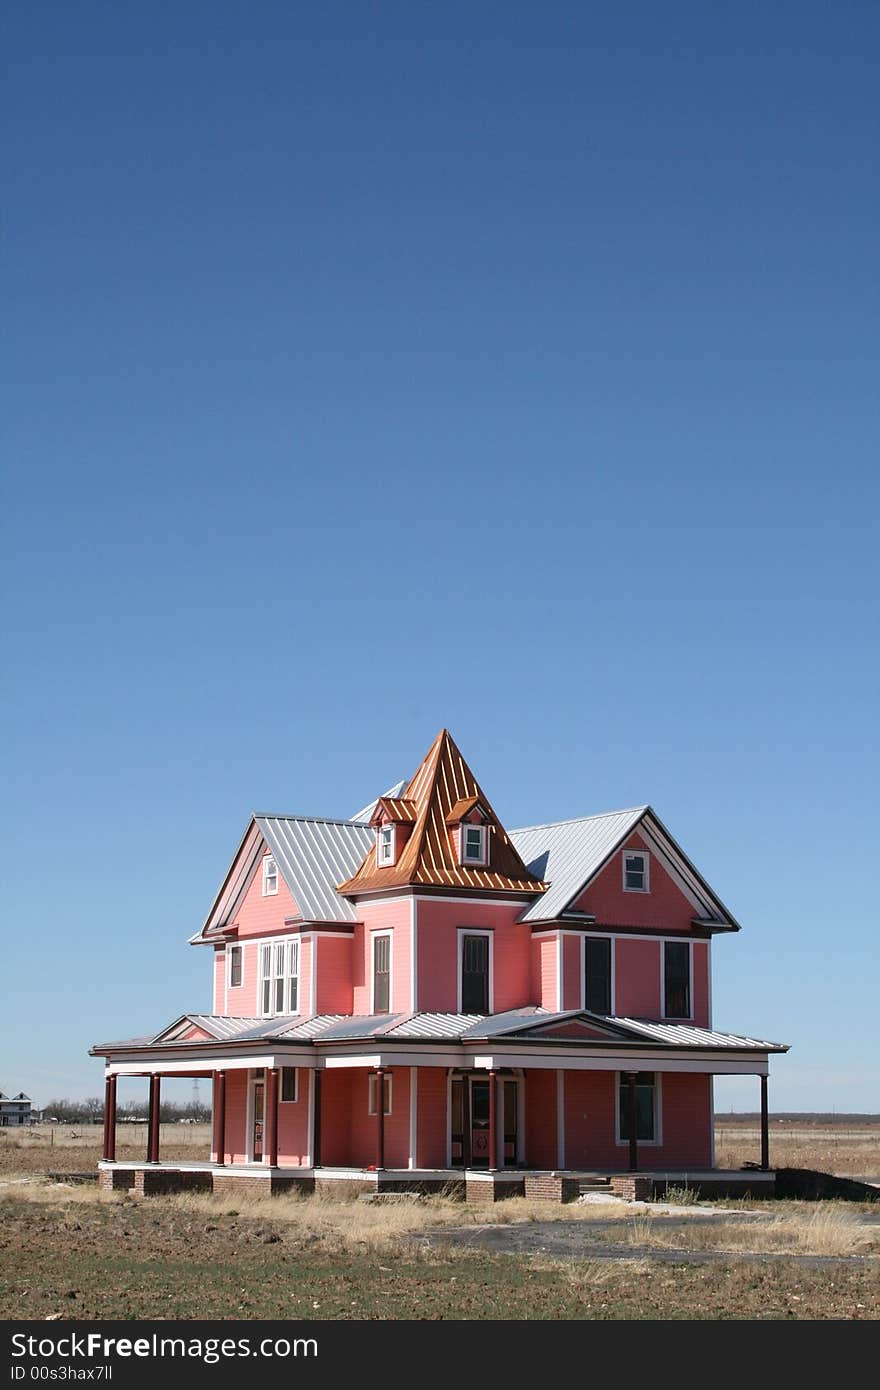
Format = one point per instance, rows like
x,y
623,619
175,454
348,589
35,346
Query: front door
x,y
258,1121
479,1123
469,1116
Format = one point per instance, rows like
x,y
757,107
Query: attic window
x,y
473,844
385,845
635,872
270,877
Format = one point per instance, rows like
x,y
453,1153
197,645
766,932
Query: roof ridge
x,y
320,820
576,820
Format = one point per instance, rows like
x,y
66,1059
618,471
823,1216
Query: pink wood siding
x,y
636,978
218,1002
363,1129
259,916
438,926
379,916
590,1123
236,1113
293,1124
241,1001
571,972
665,906
334,994
543,973
568,1030
702,1011
335,1117
432,1101
541,1118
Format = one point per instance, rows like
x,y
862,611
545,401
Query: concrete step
x,y
593,1185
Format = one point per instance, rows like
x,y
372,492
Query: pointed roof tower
x,y
443,794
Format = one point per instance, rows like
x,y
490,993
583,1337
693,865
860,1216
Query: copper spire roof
x,y
429,858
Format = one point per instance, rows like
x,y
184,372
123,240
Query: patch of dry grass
x,y
848,1151
826,1228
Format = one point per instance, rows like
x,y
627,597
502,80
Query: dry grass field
x,y
72,1251
848,1146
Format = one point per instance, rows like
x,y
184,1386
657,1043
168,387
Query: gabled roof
x,y
428,858
312,854
366,812
569,854
401,811
461,809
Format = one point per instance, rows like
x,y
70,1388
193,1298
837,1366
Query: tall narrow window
x,y
292,996
385,845
645,1108
381,974
289,1087
266,978
270,876
635,871
234,966
677,979
473,844
386,1094
597,960
474,974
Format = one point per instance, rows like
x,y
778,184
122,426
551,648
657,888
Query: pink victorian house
x,y
418,996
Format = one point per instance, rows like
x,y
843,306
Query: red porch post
x,y
153,1125
272,1117
493,1157
220,1116
765,1127
110,1118
380,1117
633,1111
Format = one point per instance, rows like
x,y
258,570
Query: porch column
x,y
380,1116
633,1112
493,1156
153,1125
220,1116
110,1118
316,1118
765,1127
560,1120
271,1148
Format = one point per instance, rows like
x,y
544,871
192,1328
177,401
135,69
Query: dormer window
x,y
635,871
386,845
270,877
473,844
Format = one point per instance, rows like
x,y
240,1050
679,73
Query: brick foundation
x,y
156,1183
116,1179
550,1187
633,1187
492,1189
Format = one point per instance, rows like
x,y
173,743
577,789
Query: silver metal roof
x,y
434,1026
221,1026
313,856
567,853
365,813
685,1035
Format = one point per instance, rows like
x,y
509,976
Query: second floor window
x,y
474,974
473,844
597,963
270,877
279,978
676,979
381,974
234,966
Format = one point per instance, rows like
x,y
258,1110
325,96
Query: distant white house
x,y
15,1110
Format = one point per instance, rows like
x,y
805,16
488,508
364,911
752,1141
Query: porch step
x,y
593,1185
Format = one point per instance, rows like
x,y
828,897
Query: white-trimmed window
x,y
289,1084
279,977
636,871
270,877
473,844
381,972
386,1088
677,979
647,1108
386,845
234,966
474,971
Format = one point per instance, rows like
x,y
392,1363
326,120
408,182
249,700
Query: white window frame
x,y
676,1018
476,931
374,936
462,842
387,1080
643,854
269,892
229,950
657,1141
282,954
381,861
289,1100
598,936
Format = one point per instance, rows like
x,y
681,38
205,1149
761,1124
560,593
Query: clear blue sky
x,y
375,367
